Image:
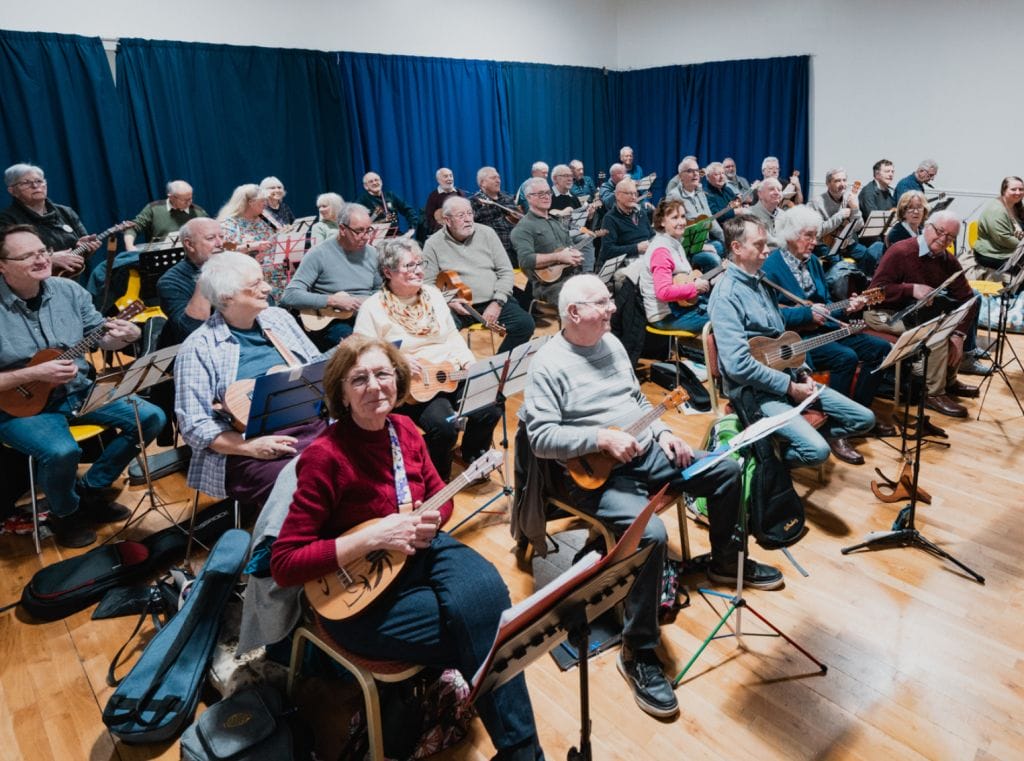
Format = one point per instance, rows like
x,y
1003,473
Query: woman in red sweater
x,y
443,608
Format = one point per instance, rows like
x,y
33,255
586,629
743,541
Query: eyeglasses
x,y
627,193
599,303
359,233
691,171
942,235
460,215
410,267
362,380
44,253
30,183
540,194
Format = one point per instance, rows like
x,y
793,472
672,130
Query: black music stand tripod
x,y
904,531
1000,362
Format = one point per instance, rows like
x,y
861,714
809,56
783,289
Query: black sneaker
x,y
69,531
756,575
651,689
94,506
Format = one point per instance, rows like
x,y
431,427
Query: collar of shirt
x,y
922,247
451,239
9,298
799,269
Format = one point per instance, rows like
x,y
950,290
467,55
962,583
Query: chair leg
x,y
684,529
35,503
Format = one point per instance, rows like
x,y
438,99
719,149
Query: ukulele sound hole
x,y
786,352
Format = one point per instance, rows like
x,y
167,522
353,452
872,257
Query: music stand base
x,y
909,537
579,638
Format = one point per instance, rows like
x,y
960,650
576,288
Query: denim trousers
x,y
625,496
443,611
803,444
46,438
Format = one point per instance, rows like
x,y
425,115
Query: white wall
x,y
572,32
903,79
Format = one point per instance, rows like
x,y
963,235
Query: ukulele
x,y
788,350
789,203
237,401
837,240
350,590
871,296
552,273
30,398
590,471
442,377
83,248
689,278
318,319
450,282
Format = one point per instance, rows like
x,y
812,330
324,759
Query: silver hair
x,y
391,251
448,207
177,187
225,275
575,163
626,148
616,167
714,166
624,183
437,174
266,182
765,184
832,173
333,200
347,210
483,172
929,165
683,160
534,182
792,222
574,291
239,198
560,168
769,160
538,166
944,216
14,173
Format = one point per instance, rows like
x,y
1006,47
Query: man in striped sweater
x,y
581,391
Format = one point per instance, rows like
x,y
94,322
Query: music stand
x,y
564,609
286,398
609,267
999,363
695,236
143,373
904,532
490,382
878,223
941,205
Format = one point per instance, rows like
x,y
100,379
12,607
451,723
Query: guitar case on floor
x,y
158,698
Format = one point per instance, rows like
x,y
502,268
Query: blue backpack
x,y
158,698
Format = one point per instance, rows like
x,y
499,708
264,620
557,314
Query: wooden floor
x,y
922,661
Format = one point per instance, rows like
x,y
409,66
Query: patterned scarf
x,y
417,318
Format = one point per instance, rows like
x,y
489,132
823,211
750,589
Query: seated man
x,y
616,174
877,195
841,217
628,228
445,188
180,298
920,179
718,192
475,253
38,311
338,274
543,244
496,209
908,272
766,210
583,186
57,226
695,203
739,185
563,204
742,307
581,387
792,195
385,206
799,272
539,169
633,170
161,218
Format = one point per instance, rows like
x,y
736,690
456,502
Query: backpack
x,y
775,512
159,696
250,725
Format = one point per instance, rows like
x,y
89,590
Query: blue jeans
x,y
46,438
333,334
803,444
693,319
705,260
443,612
624,497
841,359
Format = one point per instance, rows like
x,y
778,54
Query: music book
x,y
518,617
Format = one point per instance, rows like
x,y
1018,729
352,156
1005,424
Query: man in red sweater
x,y
908,272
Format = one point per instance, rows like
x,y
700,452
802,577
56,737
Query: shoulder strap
x,y
284,351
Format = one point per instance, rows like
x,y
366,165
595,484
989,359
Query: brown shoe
x,y
883,430
942,403
957,388
842,449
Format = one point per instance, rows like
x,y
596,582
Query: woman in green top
x,y
1001,225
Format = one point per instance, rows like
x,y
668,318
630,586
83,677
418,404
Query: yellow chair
x,y
475,328
675,335
79,433
366,671
131,293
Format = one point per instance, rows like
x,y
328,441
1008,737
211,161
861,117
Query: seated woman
x,y
248,229
663,260
443,609
277,210
244,338
329,205
1000,229
416,316
911,211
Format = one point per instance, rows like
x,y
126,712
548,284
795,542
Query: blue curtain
x,y
60,112
558,113
410,115
745,109
221,115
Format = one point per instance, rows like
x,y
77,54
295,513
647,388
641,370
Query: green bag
x,y
722,432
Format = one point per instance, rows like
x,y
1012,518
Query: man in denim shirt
x,y
38,311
